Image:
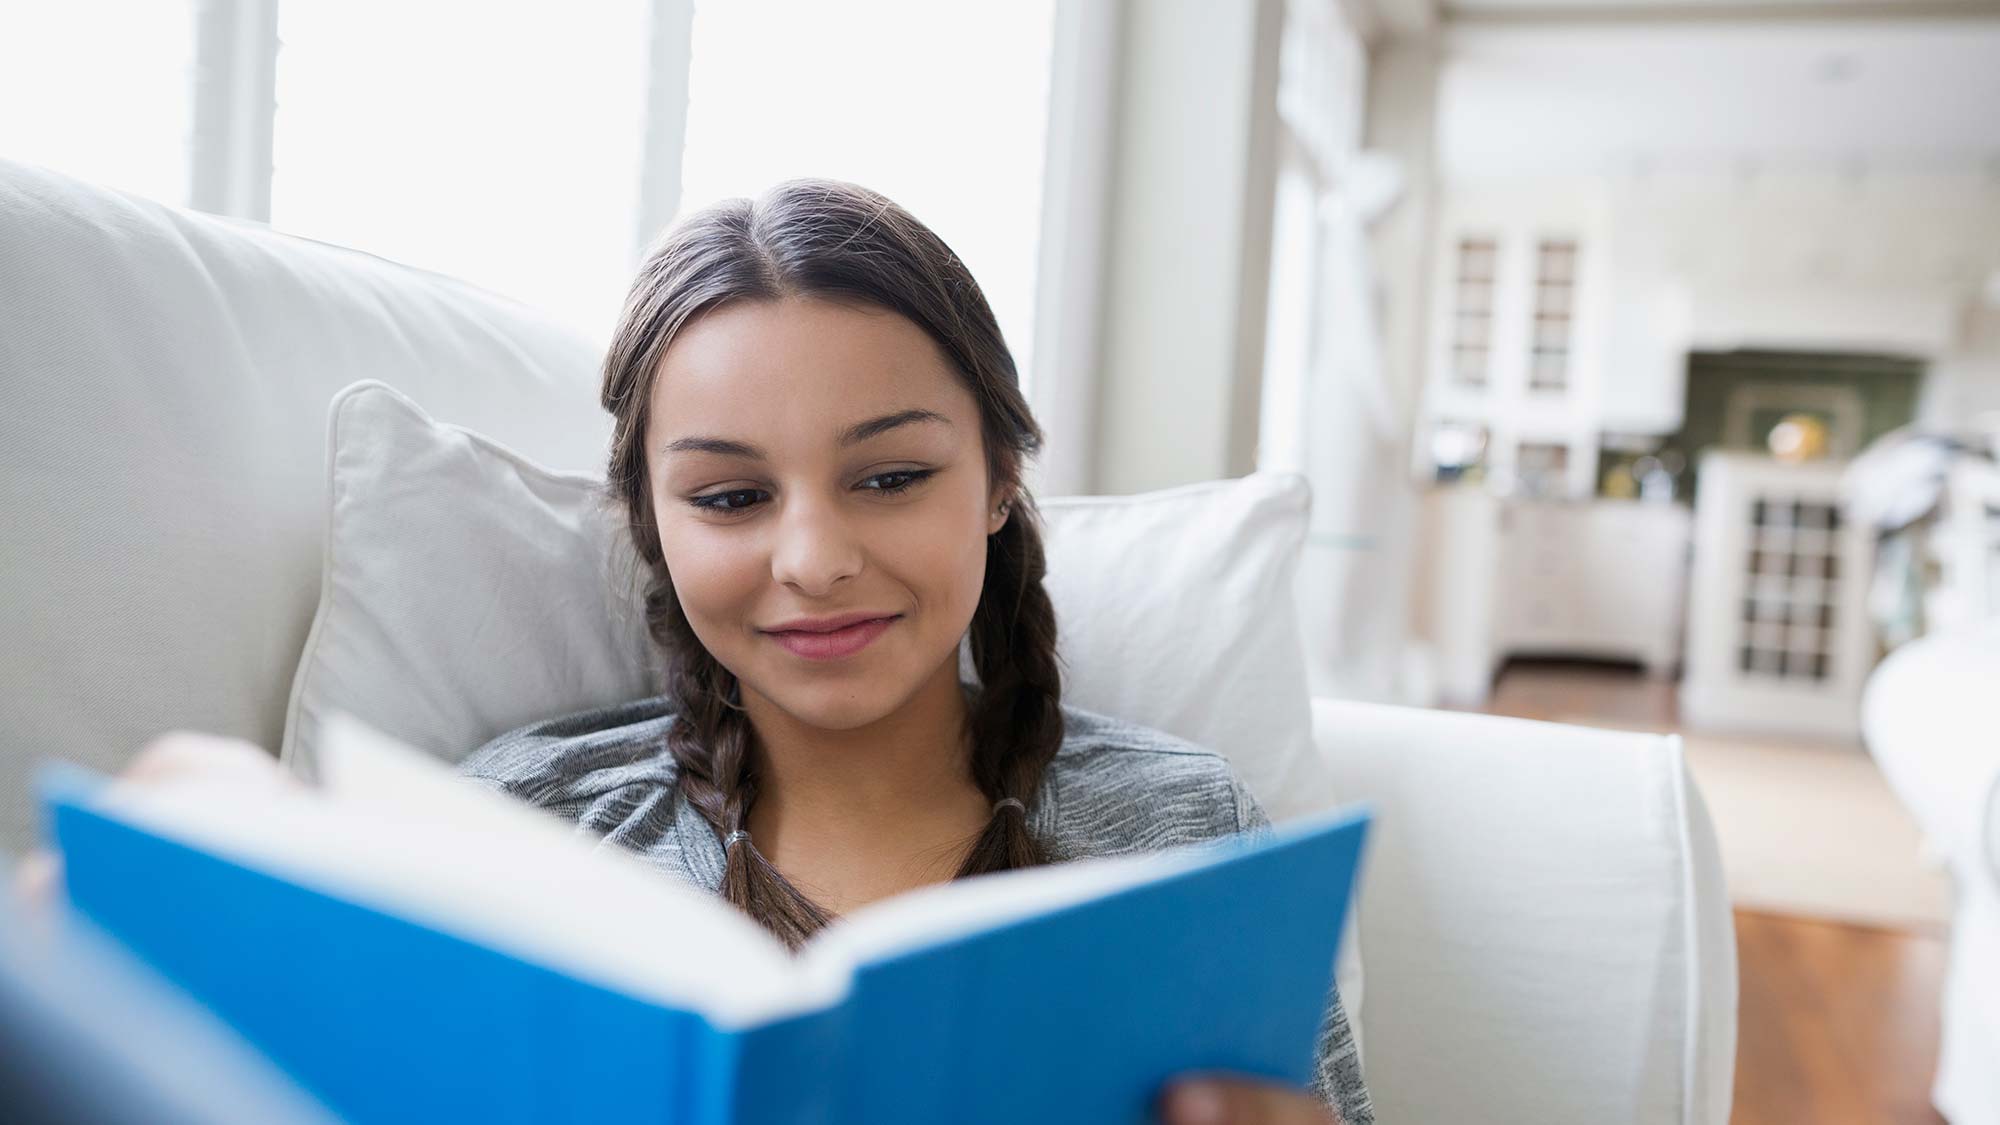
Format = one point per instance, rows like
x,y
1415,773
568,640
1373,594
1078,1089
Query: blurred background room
x,y
1643,356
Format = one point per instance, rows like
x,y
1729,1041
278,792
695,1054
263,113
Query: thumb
x,y
1241,1102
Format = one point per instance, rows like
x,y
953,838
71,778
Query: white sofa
x,y
1929,717
1543,928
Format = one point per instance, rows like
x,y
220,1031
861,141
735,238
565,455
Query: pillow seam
x,y
316,636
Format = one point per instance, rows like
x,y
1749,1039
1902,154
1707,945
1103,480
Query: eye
x,y
743,499
902,479
734,500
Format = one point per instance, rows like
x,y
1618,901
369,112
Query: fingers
x,y
1195,1103
37,878
183,754
37,881
1233,1101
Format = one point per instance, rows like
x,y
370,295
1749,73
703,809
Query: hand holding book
x,y
1228,1100
176,754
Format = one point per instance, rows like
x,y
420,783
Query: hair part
x,y
833,240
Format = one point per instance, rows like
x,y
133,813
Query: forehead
x,y
797,366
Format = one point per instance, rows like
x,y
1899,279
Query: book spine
x,y
790,1071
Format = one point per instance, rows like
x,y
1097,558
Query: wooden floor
x,y
1836,1023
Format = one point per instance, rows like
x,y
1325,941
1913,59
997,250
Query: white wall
x,y
1401,123
1881,257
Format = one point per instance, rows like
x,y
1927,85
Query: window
x,y
113,109
498,143
1288,334
941,107
1320,76
507,144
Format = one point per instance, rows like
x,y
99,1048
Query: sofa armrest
x,y
1542,919
1927,716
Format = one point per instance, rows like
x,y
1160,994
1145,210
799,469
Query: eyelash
x,y
916,476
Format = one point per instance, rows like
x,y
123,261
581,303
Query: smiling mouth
x,y
835,644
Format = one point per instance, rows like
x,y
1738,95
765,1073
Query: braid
x,y
711,744
1016,722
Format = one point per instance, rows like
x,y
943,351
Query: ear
x,y
999,510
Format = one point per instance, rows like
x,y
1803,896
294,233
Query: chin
x,y
836,704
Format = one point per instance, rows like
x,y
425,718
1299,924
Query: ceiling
x,y
1711,9
1404,18
1604,96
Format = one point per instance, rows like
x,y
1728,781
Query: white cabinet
x,y
1516,316
1603,578
1598,578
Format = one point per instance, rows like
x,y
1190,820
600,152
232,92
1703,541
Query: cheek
x,y
716,582
946,563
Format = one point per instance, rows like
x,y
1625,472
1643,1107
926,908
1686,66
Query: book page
x,y
944,911
396,830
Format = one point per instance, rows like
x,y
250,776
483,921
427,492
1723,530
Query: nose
x,y
816,548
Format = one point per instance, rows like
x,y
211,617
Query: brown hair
x,y
838,241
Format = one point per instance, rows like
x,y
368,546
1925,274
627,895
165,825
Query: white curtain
x,y
1353,584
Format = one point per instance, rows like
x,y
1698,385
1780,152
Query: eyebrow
x,y
852,435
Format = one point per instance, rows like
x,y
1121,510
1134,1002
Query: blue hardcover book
x,y
410,946
89,1033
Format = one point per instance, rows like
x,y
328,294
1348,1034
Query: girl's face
x,y
814,460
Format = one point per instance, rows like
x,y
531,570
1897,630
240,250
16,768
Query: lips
x,y
832,644
825,624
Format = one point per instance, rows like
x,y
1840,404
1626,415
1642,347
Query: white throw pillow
x,y
1175,609
468,591
465,590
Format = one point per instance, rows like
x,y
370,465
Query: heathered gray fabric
x,y
1114,787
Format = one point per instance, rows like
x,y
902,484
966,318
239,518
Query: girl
x,y
818,449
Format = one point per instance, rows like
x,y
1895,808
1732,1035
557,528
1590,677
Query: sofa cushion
x,y
467,590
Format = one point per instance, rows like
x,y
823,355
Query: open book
x,y
411,946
